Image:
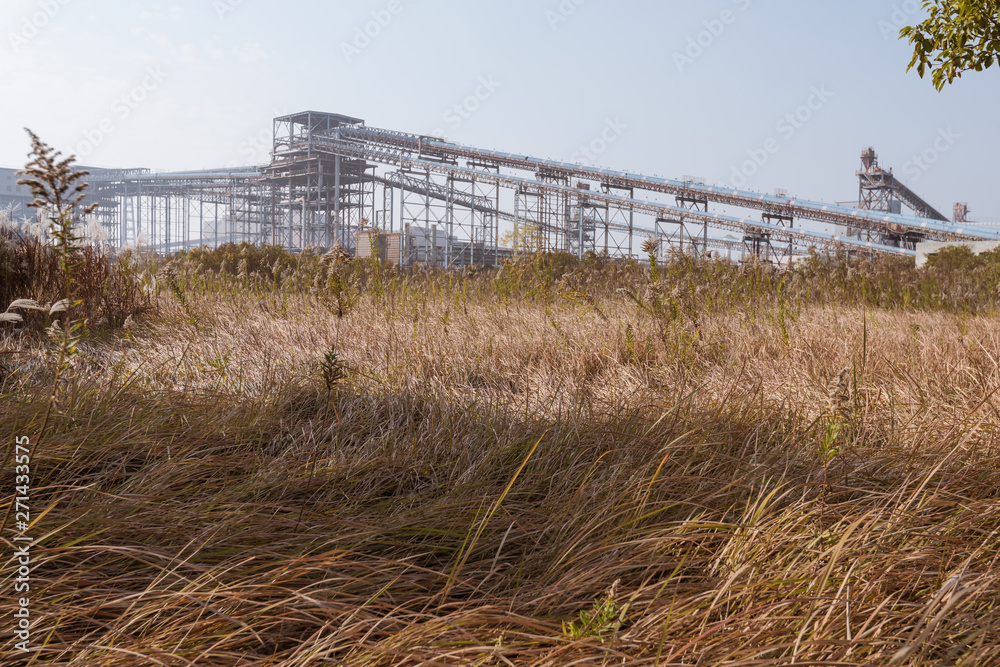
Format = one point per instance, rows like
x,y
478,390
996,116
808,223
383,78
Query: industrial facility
x,y
415,199
13,197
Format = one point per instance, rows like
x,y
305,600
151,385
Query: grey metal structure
x,y
880,190
330,176
178,210
319,198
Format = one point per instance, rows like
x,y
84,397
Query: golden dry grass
x,y
756,487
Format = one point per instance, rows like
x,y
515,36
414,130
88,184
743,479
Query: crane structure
x,y
331,177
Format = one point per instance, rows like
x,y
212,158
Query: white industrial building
x,y
13,197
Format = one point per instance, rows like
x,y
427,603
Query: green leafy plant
x,y
650,247
340,296
375,243
605,617
629,342
958,36
828,448
332,369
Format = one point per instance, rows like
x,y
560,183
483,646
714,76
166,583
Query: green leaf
x,y
958,36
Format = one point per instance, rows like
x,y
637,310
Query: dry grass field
x,y
308,461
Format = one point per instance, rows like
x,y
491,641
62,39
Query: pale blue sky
x,y
194,84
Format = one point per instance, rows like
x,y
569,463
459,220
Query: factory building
x,y
13,197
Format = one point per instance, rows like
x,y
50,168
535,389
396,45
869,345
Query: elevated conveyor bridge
x,y
330,175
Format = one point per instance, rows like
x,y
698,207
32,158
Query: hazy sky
x,y
758,92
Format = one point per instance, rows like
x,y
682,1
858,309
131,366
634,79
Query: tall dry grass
x,y
106,286
553,464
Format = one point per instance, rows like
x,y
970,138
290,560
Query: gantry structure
x,y
331,178
880,190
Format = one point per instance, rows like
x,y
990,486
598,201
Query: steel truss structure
x,y
879,190
322,199
332,177
181,210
